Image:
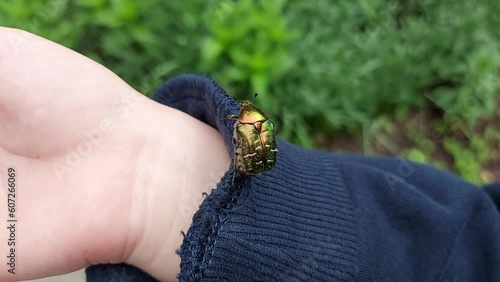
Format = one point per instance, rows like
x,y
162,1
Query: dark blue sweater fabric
x,y
319,216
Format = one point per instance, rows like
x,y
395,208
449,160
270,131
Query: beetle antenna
x,y
255,95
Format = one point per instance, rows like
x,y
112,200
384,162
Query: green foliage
x,y
320,66
467,163
337,65
424,147
470,158
417,155
467,65
144,42
246,45
46,18
358,59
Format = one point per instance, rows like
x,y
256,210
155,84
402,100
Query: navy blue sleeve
x,y
319,216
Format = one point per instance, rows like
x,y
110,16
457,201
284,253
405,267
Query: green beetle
x,y
254,140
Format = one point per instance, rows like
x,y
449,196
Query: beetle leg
x,y
234,173
235,166
232,116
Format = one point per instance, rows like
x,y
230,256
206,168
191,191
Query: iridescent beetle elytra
x,y
254,140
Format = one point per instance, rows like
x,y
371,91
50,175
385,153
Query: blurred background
x,y
416,79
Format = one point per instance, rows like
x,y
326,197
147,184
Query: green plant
x,y
469,160
246,47
47,18
358,59
466,162
144,42
417,155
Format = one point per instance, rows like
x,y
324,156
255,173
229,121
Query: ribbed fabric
x,y
272,231
300,233
326,217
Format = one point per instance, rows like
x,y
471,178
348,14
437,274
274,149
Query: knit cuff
x,y
269,227
292,223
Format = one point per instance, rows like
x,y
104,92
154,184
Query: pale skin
x,y
104,174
